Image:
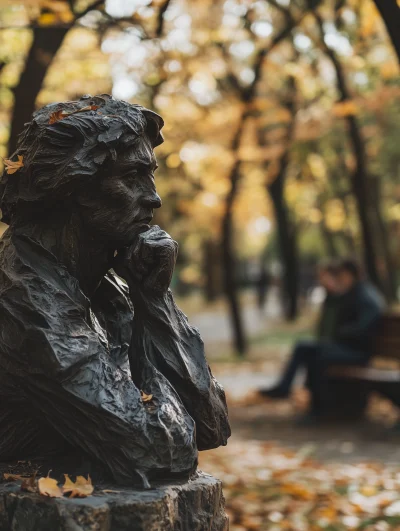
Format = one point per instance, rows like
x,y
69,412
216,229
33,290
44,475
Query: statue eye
x,y
132,174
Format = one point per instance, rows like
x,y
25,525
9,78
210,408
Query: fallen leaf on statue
x,y
80,489
145,398
48,487
13,166
56,116
88,108
108,491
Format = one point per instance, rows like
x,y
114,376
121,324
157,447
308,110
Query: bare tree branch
x,y
390,13
286,12
71,6
160,19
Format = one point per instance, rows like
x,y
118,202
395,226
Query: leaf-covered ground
x,y
270,488
280,476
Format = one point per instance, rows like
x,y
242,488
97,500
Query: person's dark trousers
x,y
329,355
316,357
303,356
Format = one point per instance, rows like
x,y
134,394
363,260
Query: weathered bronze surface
x,y
77,344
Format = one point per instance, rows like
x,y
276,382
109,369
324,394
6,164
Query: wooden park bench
x,y
348,388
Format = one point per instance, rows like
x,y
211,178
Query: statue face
x,y
121,206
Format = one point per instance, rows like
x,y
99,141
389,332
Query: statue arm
x,y
163,336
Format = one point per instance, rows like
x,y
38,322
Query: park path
x,y
369,439
214,324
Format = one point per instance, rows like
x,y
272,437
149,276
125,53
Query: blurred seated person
x,y
348,321
327,279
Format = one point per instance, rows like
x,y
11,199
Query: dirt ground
x,y
279,475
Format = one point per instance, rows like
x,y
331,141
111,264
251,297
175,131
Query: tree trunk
x,y
46,42
287,245
345,235
382,230
329,240
361,194
212,270
390,12
286,230
229,263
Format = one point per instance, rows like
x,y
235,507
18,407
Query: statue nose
x,y
152,201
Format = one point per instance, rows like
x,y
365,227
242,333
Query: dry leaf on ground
x,y
48,487
271,488
80,489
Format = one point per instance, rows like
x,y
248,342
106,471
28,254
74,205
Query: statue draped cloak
x,y
65,373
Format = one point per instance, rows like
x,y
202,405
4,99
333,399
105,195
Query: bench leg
x,y
390,390
344,399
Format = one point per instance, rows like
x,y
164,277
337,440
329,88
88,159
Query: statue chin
x,y
142,227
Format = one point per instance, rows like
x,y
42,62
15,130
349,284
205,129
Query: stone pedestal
x,y
196,505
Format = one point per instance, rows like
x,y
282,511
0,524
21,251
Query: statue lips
x,y
143,224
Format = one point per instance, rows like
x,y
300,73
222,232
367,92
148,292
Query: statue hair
x,y
70,144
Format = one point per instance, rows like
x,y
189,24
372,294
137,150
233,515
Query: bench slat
x,y
387,347
365,373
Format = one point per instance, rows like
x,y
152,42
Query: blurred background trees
x,y
282,124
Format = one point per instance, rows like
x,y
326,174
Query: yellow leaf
x,y
80,489
46,19
298,491
345,108
54,5
368,490
48,487
68,485
145,398
13,166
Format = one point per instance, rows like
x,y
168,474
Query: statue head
x,y
94,157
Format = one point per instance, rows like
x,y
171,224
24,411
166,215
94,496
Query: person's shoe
x,y
308,420
277,392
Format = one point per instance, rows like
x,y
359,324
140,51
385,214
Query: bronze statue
x,y
91,365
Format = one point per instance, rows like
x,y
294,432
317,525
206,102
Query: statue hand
x,y
149,262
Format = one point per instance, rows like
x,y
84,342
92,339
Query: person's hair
x,y
351,266
330,267
68,144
